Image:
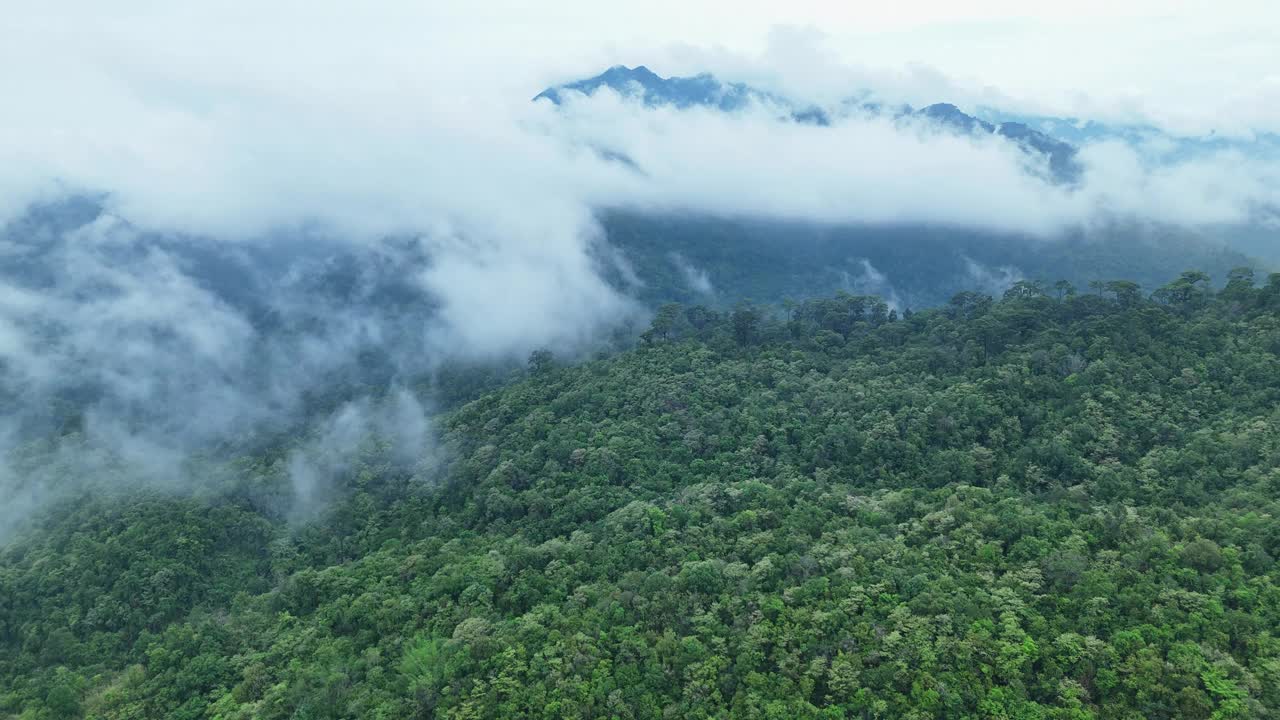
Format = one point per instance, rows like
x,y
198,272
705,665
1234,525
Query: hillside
x,y
1056,505
708,260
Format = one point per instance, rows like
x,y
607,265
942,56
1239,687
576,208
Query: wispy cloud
x,y
275,211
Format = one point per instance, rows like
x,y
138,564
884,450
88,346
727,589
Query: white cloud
x,y
694,277
339,126
398,420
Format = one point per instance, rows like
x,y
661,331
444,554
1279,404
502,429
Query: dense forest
x,y
1062,503
706,260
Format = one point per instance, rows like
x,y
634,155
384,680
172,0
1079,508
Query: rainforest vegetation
x,y
1060,503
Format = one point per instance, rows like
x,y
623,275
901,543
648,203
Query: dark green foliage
x,y
1055,505
922,265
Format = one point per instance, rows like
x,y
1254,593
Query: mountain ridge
x,y
706,90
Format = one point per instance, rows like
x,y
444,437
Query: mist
x,y
697,279
207,242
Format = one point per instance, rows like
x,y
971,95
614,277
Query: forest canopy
x,y
1061,503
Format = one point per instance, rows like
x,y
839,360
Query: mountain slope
x,y
1029,508
703,259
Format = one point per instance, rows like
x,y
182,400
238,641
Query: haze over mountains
x,y
1057,138
705,90
282,272
389,362
264,250
863,255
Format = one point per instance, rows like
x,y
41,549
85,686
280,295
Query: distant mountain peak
x,y
706,90
953,117
701,90
639,71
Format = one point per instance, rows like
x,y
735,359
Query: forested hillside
x,y
1060,504
719,261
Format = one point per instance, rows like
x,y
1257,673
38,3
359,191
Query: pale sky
x,y
1192,65
235,115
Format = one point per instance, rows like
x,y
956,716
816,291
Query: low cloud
x,y
991,280
696,279
397,421
1225,186
875,169
870,281
266,226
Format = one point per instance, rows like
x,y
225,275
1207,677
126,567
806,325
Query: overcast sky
x,y
1193,62
1193,66
234,116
